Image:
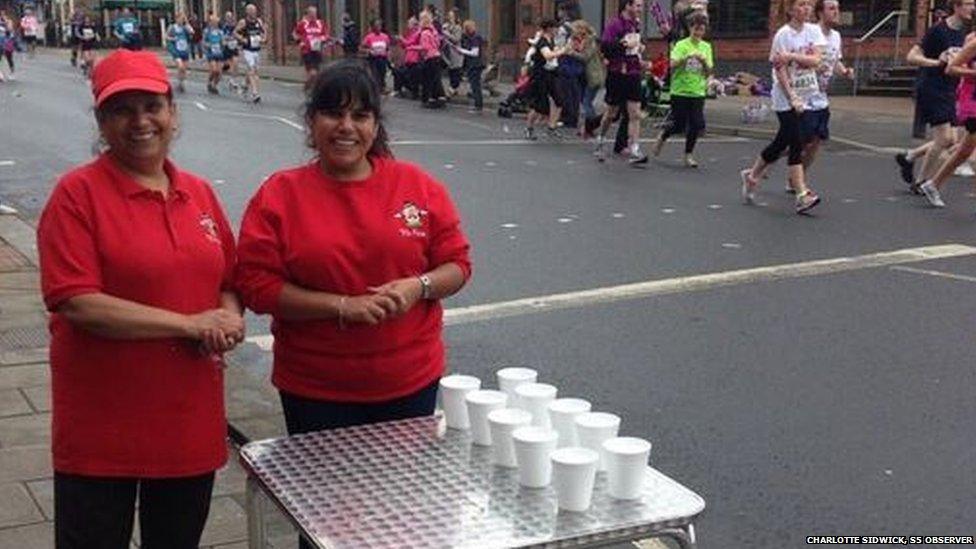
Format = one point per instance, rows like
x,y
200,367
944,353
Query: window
x,y
738,18
858,16
507,28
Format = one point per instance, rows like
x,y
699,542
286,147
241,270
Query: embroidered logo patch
x,y
411,215
209,228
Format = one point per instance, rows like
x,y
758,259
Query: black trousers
x,y
474,80
98,512
570,88
379,65
787,137
688,116
433,84
303,415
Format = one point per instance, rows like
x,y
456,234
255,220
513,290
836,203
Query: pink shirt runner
x,y
377,44
430,41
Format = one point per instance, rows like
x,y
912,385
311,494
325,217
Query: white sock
x,y
635,148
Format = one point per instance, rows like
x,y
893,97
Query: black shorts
x,y
686,113
815,124
312,59
231,53
970,125
30,39
622,88
541,88
936,109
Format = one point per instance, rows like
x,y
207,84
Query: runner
x,y
796,53
231,52
251,33
8,42
814,127
87,39
544,60
28,29
961,66
376,46
77,18
126,30
213,50
313,34
622,47
935,90
691,65
178,38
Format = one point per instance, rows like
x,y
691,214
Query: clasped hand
x,y
383,303
218,330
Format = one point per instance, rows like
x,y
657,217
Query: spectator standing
x,y
350,36
376,45
472,48
451,33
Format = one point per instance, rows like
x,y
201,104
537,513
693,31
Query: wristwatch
x,y
425,286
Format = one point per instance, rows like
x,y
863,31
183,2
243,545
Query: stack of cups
x,y
593,428
573,476
454,388
535,399
532,448
480,404
626,459
562,415
510,378
502,423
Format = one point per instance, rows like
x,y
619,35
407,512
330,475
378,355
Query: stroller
x,y
517,101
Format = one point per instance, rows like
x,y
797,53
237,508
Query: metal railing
x,y
896,14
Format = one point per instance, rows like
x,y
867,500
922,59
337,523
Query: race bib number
x,y
128,28
87,34
216,49
182,44
315,44
232,43
693,64
805,82
255,40
378,48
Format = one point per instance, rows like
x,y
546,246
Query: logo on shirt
x,y
412,217
209,228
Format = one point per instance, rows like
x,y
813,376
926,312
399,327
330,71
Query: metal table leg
x,y
255,515
684,535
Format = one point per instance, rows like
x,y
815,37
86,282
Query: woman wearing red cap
x,y
136,269
351,255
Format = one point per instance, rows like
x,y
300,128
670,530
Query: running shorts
x,y
815,124
622,88
934,108
312,59
251,59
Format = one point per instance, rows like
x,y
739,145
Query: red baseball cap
x,y
125,70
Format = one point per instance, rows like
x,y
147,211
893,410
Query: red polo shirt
x,y
312,35
344,237
134,408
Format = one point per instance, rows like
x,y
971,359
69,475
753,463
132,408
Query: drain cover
x,y
27,337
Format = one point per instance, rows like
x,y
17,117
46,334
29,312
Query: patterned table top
x,y
414,483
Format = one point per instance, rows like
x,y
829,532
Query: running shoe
x,y
788,189
806,202
690,161
530,134
256,100
907,168
637,160
553,133
748,187
932,194
658,145
598,151
965,170
7,210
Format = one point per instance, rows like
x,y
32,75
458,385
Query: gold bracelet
x,y
340,318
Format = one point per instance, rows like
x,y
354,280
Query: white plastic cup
x,y
562,415
502,423
453,390
626,459
535,398
532,448
480,403
510,378
573,475
593,428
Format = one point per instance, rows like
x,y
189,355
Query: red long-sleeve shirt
x,y
343,237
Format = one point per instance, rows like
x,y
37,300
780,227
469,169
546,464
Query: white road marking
x,y
219,181
449,166
509,225
940,274
617,215
290,123
732,245
531,163
200,106
849,200
491,164
667,210
520,142
7,163
714,206
892,198
687,284
565,220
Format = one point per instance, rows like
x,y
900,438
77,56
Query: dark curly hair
x,y
342,85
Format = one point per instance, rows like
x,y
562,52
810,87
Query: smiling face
x,y
343,137
800,11
138,126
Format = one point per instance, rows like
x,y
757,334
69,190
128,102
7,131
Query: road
x,y
798,396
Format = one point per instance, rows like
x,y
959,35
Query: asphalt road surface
x,y
820,382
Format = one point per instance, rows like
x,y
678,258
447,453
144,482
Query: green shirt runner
x,y
690,79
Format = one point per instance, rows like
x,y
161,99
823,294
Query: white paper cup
x,y
510,378
453,390
532,448
502,423
480,403
573,475
593,428
626,459
562,415
535,398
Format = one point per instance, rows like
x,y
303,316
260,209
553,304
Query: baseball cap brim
x,y
132,84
